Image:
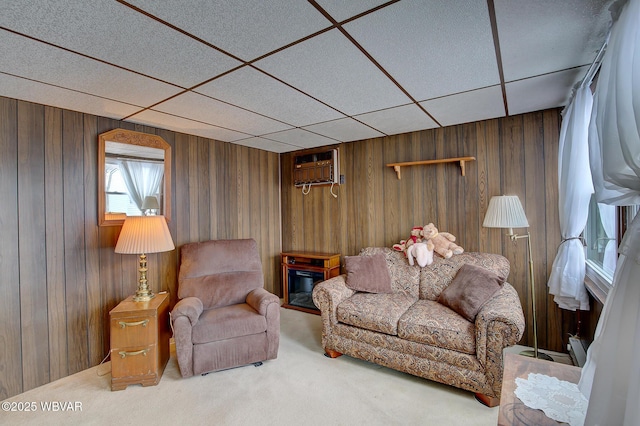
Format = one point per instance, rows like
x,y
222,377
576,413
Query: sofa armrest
x,y
327,295
189,307
500,323
260,299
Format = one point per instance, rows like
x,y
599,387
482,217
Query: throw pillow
x,y
470,289
368,273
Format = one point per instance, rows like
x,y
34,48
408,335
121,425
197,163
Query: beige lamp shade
x,y
505,211
144,234
150,202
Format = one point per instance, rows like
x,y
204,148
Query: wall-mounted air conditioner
x,y
316,167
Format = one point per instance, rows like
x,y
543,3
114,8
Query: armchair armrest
x,y
189,307
260,299
327,295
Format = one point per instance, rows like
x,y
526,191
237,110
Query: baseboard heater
x,y
578,351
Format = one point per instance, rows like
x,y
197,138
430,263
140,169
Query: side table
x,y
512,410
139,341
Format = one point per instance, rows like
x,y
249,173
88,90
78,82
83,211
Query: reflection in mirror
x,y
134,176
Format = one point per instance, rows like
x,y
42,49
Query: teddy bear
x,y
423,252
415,237
443,242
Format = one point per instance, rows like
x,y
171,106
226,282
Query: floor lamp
x,y
506,211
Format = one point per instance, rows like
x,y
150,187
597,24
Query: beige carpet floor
x,y
300,387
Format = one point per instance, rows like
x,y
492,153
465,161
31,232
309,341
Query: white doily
x,y
562,401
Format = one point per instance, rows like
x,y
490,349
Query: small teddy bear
x,y
443,242
415,237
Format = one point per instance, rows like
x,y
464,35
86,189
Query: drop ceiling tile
x,y
183,125
344,130
251,89
466,107
341,10
247,29
267,145
538,37
47,64
211,111
542,92
331,69
33,91
117,34
431,48
301,138
402,119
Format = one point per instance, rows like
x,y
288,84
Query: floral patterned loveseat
x,y
410,331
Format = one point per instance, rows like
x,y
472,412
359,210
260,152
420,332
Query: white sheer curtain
x,y
575,187
611,375
141,178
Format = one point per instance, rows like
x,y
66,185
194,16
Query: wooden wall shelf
x,y
461,160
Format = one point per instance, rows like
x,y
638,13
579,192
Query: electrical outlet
x,y
341,179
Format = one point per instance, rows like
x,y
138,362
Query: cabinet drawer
x,y
134,361
133,331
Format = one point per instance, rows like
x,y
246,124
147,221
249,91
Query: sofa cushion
x,y
405,278
471,288
436,277
227,323
368,273
433,324
376,312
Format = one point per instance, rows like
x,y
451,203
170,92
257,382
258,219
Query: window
x,y
118,199
605,227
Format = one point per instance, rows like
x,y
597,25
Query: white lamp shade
x,y
150,202
144,234
505,211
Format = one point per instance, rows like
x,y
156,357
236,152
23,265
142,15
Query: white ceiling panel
x,y
33,91
431,48
267,144
340,10
112,32
299,139
537,37
252,89
277,75
344,130
402,119
183,125
248,29
542,92
475,105
211,111
331,69
47,64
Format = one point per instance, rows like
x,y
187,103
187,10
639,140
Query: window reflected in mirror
x,y
134,176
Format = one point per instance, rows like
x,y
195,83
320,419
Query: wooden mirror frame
x,y
132,138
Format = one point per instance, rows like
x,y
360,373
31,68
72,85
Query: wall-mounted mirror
x,y
134,176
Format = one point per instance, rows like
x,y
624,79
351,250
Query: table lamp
x,y
150,205
506,211
142,235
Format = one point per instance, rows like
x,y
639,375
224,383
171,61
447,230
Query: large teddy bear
x,y
443,242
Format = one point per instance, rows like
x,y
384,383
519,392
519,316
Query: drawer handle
x,y
133,324
124,354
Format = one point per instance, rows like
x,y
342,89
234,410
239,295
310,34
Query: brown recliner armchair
x,y
225,317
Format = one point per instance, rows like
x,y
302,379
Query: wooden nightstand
x,y
139,341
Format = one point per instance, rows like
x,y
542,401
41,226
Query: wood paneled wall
x,y
59,275
515,155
